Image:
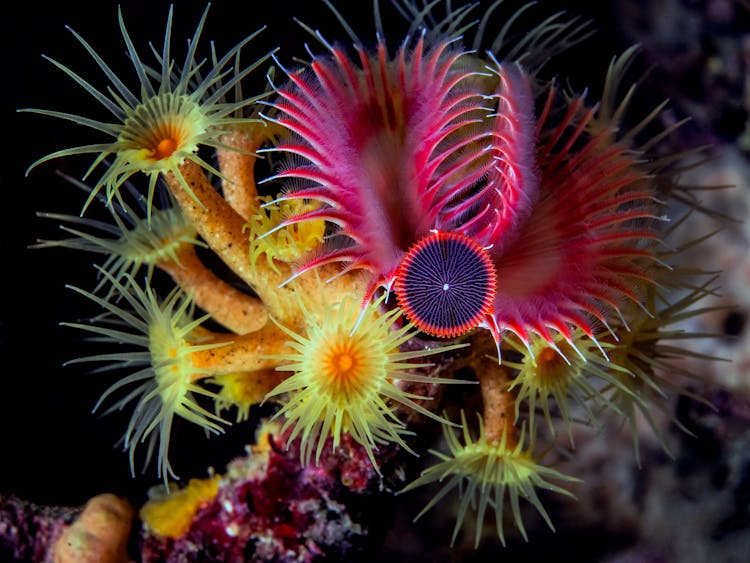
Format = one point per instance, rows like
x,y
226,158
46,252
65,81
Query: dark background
x,y
53,451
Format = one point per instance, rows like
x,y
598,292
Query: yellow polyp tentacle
x,y
237,311
288,244
490,472
157,130
244,389
318,293
136,242
347,367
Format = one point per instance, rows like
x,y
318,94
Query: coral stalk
x,y
237,311
498,403
237,165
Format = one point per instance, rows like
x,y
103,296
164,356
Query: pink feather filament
x,y
385,145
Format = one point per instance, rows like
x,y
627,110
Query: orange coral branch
x,y
99,535
222,229
242,353
499,403
237,166
237,311
494,379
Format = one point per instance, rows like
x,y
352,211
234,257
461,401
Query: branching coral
x,y
504,212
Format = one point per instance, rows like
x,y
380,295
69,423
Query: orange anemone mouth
x,y
162,127
344,369
553,371
165,148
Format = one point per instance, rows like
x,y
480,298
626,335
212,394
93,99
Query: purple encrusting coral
x,y
270,508
27,531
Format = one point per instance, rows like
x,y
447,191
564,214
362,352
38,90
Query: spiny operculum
x,y
346,374
446,284
161,337
385,144
175,110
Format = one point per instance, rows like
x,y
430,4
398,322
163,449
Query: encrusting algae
x,y
519,225
172,516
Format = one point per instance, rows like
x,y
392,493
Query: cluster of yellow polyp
x,y
325,342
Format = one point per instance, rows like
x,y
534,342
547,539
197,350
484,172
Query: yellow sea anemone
x,y
159,338
176,108
485,473
130,241
288,243
347,370
653,359
561,371
243,390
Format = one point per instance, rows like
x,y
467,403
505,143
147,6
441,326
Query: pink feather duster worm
x,y
438,139
389,145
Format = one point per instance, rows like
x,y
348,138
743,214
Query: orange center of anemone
x,y
164,140
551,369
343,363
165,148
546,356
161,128
343,370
